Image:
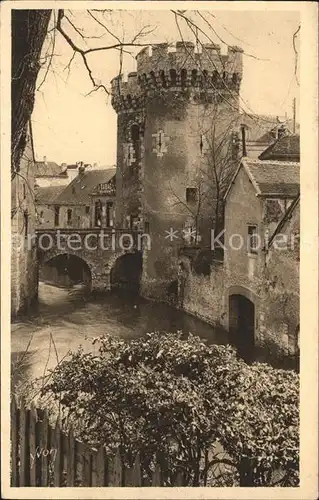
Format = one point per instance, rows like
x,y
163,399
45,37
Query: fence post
x,y
115,470
35,459
14,442
87,466
71,459
58,463
44,445
137,476
156,476
179,479
100,465
24,445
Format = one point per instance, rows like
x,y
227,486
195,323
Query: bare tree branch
x,y
296,53
50,57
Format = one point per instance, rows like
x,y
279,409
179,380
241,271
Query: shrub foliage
x,y
196,408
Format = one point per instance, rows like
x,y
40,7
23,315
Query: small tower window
x,y
235,78
56,216
203,144
194,77
134,149
87,209
183,77
172,74
191,195
135,133
69,216
153,77
215,76
252,245
163,79
26,222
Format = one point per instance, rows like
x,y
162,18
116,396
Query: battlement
x,y
185,57
178,68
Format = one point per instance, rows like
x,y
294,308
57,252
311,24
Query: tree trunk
x,y
29,29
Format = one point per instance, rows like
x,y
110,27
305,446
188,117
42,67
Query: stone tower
x,y
176,119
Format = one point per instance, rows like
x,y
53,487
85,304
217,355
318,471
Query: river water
x,y
65,318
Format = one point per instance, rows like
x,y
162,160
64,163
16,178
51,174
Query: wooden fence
x,y
45,456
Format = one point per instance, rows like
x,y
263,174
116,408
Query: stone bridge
x,y
98,249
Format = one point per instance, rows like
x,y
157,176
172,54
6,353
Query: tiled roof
x,y
257,125
285,219
47,195
48,169
273,177
260,127
77,192
285,148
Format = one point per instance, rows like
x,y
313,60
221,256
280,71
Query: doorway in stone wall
x,y
242,325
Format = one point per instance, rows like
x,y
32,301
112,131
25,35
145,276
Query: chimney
x,y
243,139
81,168
45,160
282,131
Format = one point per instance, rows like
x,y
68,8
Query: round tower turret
x,y
174,112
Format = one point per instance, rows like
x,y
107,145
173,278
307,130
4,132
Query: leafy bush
x,y
192,406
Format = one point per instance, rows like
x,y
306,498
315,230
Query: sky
x,y
71,126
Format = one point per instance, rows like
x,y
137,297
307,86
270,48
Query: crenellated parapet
x,y
159,69
126,94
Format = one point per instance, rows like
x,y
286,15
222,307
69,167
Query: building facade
x,y
173,113
87,202
254,292
49,173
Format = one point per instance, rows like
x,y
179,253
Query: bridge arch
x,y
65,269
100,258
126,271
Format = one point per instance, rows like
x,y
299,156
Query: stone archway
x,y
65,269
242,321
126,272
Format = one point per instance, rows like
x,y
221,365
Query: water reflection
x,y
63,318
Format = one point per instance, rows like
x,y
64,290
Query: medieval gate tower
x,y
176,117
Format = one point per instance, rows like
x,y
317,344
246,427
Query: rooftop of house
x,y
271,178
79,190
49,169
48,194
263,128
285,148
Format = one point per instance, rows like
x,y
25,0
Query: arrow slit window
x,y
160,143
